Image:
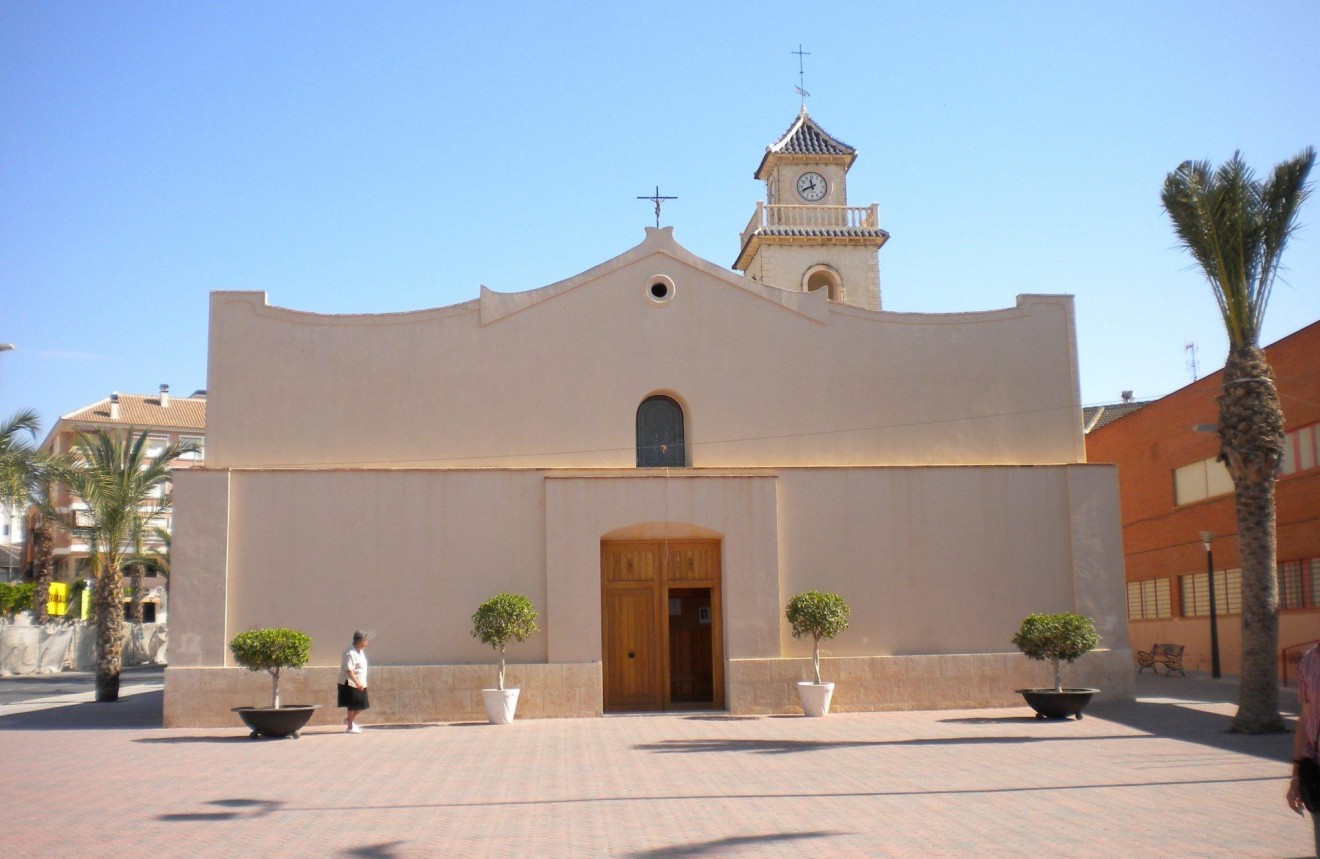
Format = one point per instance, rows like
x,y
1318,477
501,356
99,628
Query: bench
x,y
1168,655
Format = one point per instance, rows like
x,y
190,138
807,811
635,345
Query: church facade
x,y
659,452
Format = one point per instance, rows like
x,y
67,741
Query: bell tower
x,y
805,236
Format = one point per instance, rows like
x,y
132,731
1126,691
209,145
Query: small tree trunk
x,y
135,592
275,688
501,677
815,659
108,599
1058,687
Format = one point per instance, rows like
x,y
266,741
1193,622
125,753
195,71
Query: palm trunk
x,y
135,592
108,597
1251,439
42,552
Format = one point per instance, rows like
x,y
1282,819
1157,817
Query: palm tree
x,y
18,457
145,560
25,474
1236,228
123,488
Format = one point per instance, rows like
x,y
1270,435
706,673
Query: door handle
x,y
631,655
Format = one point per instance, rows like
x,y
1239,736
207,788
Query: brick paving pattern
x,y
1155,778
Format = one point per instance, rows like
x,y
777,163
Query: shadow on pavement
x,y
228,738
1183,721
142,710
717,846
784,747
384,850
245,808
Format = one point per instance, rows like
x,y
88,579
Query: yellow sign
x,y
58,603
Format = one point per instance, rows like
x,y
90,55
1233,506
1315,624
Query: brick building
x,y
1172,490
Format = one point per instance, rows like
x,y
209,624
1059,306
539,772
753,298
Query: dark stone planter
x,y
287,721
1049,704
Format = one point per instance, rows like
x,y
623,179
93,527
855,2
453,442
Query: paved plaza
x,y
1154,778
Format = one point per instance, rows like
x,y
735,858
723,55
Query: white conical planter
x,y
500,705
815,697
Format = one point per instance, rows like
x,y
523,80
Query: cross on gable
x,y
657,198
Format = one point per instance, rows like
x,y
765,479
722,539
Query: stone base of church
x,y
943,682
400,694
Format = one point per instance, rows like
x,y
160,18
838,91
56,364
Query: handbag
x,y
1308,784
1308,780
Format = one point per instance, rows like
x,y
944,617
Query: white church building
x,y
659,452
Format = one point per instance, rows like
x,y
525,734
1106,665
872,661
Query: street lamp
x,y
1206,538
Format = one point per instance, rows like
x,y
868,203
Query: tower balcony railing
x,y
813,217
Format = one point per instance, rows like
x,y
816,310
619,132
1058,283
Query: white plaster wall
x,y
949,560
553,377
932,560
783,266
410,554
199,558
739,509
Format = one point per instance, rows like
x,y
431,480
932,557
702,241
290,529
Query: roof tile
x,y
144,411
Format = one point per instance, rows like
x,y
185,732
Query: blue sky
x,y
354,157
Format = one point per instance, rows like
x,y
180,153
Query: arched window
x,y
826,278
660,434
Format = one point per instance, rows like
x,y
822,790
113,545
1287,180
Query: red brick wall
x,y
1161,539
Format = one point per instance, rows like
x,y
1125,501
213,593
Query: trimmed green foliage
x,y
820,615
271,650
1056,637
504,618
16,597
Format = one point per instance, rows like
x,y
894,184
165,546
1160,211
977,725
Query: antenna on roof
x,y
802,76
1190,348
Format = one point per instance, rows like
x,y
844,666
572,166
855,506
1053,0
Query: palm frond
x,y
1236,228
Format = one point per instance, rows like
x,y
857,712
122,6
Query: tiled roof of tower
x,y
144,411
805,137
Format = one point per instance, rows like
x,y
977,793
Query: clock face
x,y
812,187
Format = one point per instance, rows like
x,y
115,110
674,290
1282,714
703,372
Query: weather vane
x,y
802,74
657,199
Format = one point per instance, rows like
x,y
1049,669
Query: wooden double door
x,y
661,625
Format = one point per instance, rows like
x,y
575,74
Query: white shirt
x,y
355,661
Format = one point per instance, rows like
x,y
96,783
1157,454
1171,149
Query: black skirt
x,y
353,698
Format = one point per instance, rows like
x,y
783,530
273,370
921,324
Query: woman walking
x,y
353,681
1308,726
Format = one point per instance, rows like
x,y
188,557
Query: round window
x,y
660,289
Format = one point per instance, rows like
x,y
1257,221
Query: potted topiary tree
x,y
273,650
822,616
1057,638
499,620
